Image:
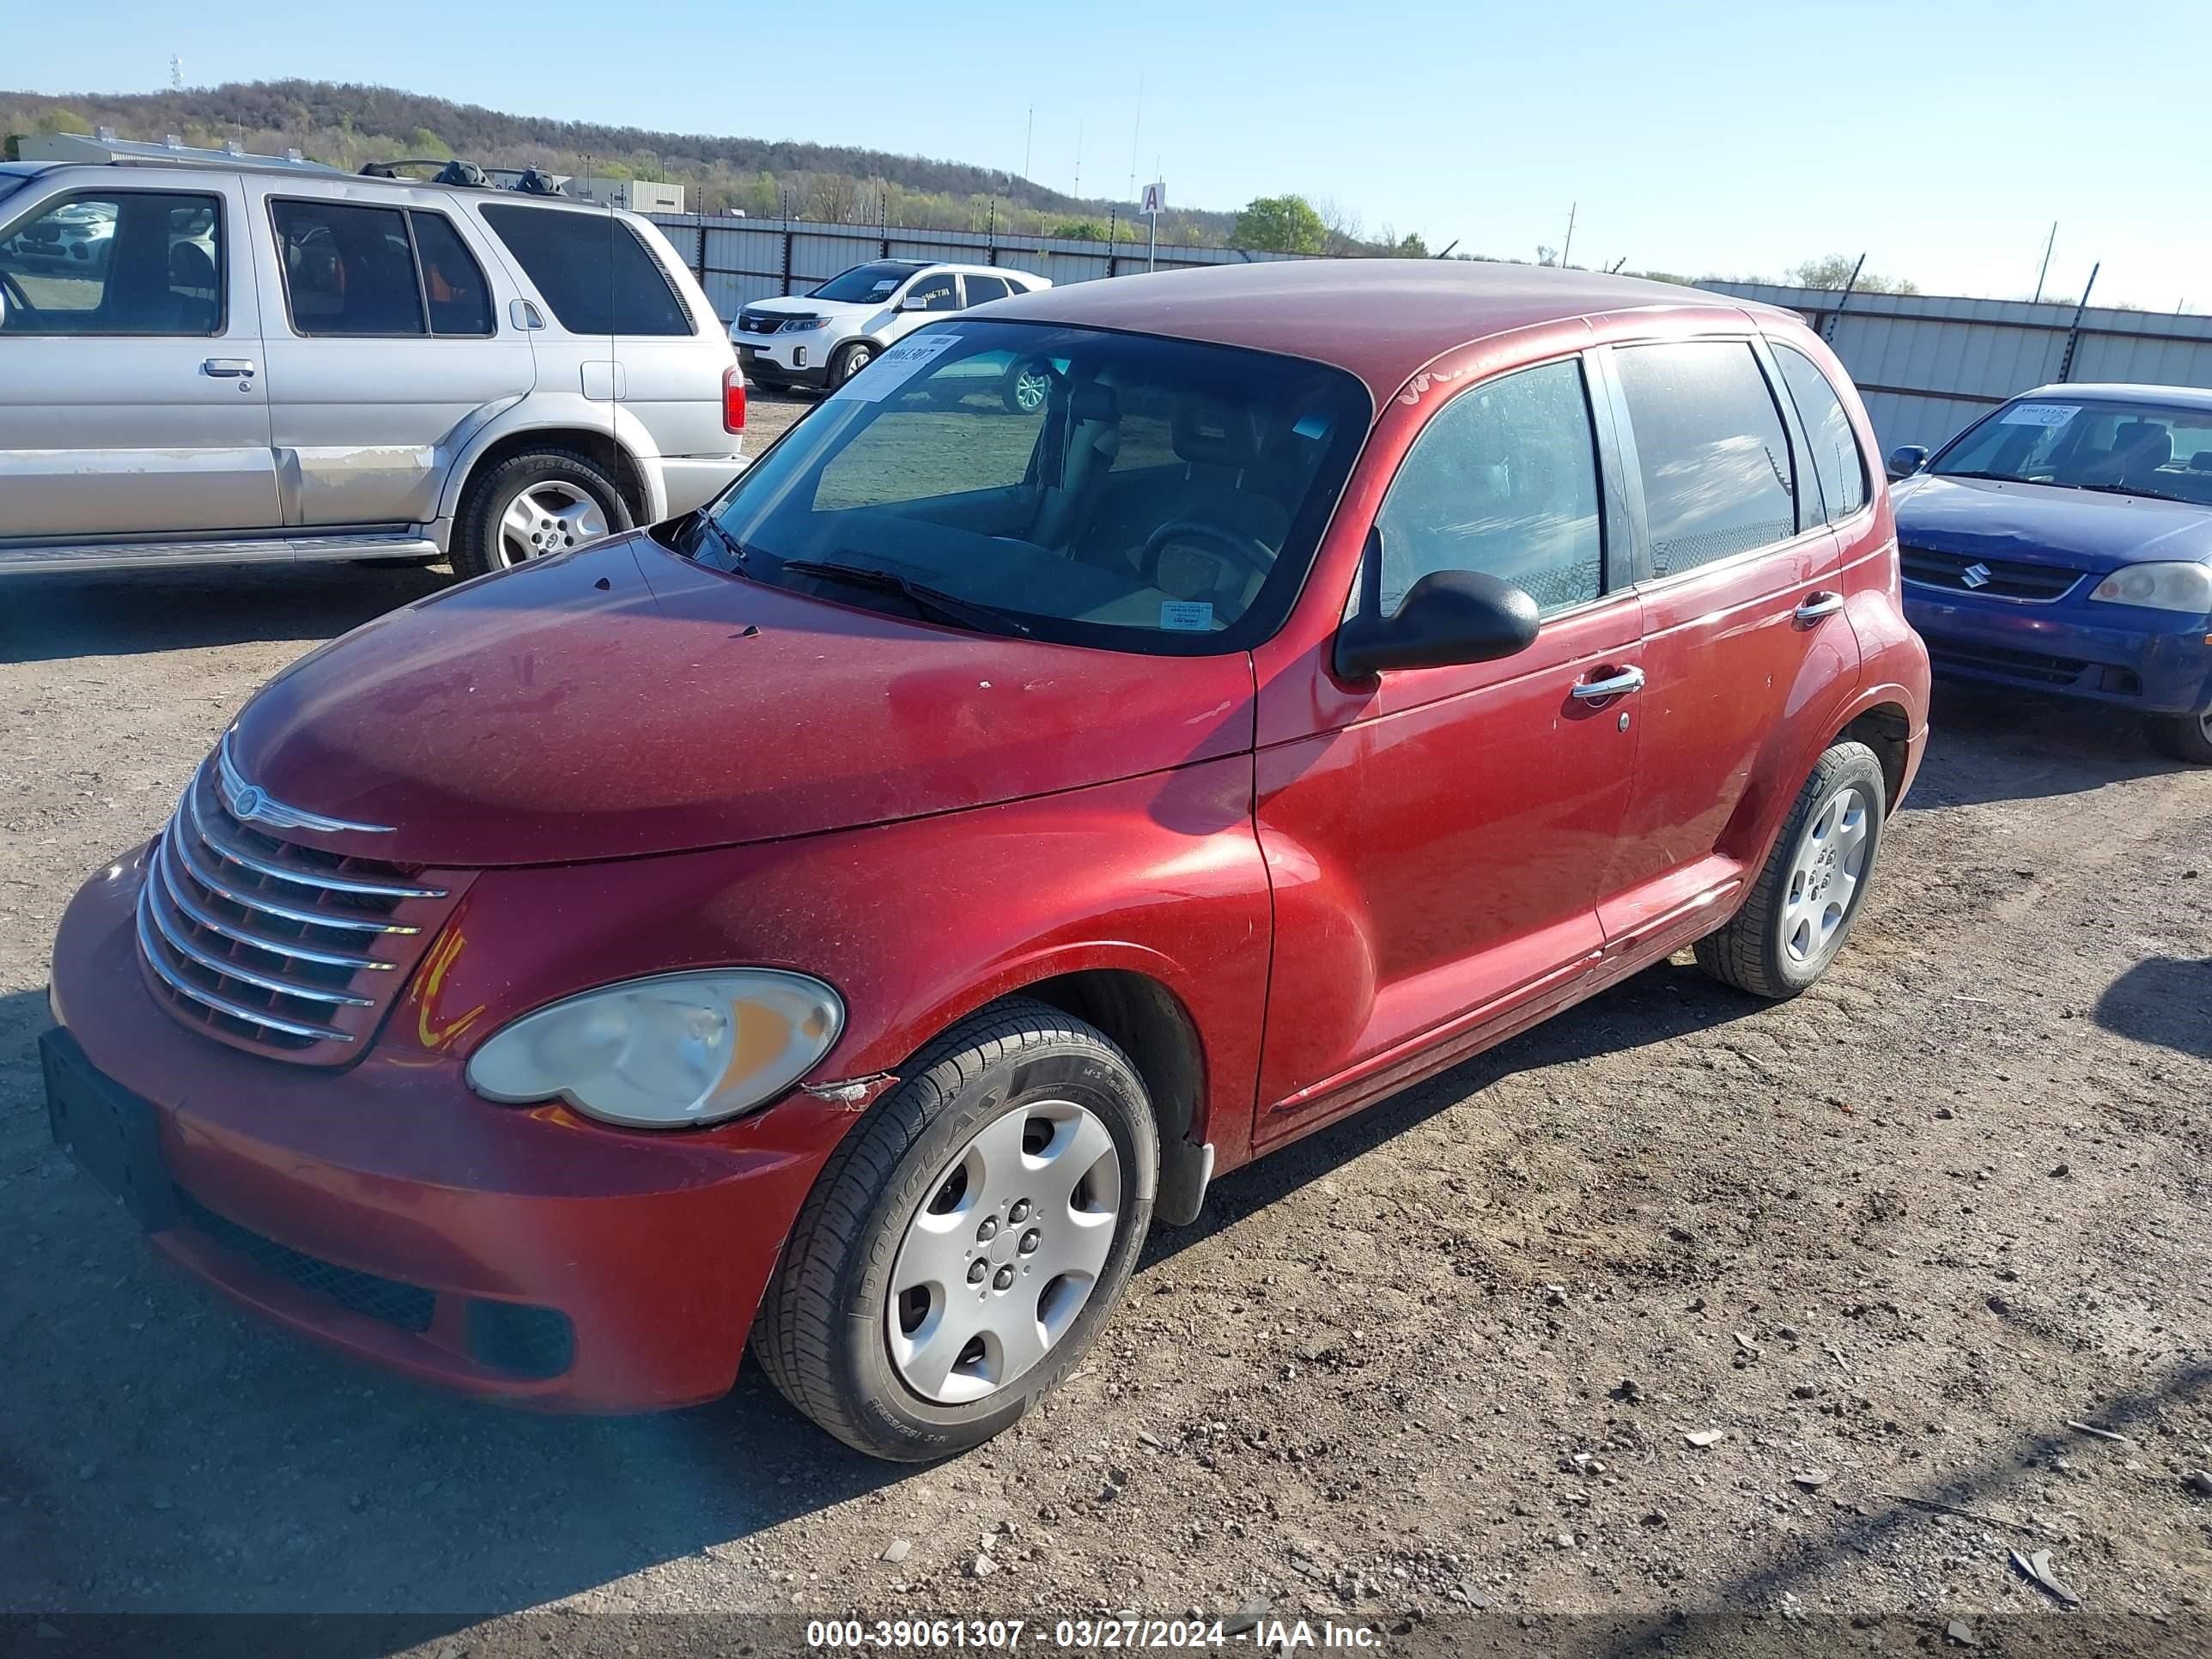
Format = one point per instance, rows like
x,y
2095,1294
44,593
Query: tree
x,y
1281,224
1411,247
1835,269
1078,230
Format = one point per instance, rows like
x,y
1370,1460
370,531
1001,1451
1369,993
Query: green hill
x,y
347,125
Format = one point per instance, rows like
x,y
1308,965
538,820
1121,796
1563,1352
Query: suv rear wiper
x,y
929,601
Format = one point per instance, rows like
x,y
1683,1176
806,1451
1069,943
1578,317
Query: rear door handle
x,y
1615,685
227,368
1816,606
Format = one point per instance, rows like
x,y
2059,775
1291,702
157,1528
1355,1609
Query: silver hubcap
x,y
1825,876
1005,1252
1030,390
859,361
549,518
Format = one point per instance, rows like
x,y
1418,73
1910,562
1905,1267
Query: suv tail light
x,y
734,399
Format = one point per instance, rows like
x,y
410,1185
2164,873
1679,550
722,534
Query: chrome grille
x,y
2000,579
273,946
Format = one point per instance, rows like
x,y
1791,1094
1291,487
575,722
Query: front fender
x,y
916,924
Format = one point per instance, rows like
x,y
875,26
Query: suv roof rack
x,y
449,172
104,146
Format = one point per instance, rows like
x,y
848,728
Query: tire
x,y
590,507
849,359
853,1350
1782,939
2182,737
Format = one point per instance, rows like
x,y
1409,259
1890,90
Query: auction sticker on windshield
x,y
896,367
2038,414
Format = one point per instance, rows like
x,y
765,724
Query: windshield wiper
x,y
706,521
2132,490
1994,477
929,601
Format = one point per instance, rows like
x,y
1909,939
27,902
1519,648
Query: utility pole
x,y
1136,128
176,73
1078,156
1028,136
1568,246
2045,271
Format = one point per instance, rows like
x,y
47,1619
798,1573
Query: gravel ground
x,y
1679,1306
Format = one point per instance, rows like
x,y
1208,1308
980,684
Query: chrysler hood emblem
x,y
249,803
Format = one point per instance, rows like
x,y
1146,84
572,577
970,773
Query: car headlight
x,y
673,1051
2159,586
800,324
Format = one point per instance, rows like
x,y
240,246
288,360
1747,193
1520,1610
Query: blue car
x,y
2063,543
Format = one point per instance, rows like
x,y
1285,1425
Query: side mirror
x,y
1449,617
1906,459
914,302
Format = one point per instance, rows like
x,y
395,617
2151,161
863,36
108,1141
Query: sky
x,y
1941,140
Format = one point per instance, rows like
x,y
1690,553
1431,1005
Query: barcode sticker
x,y
896,367
2038,414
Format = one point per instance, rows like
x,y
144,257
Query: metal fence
x,y
738,261
1928,367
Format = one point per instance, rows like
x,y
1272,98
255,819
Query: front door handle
x,y
1615,685
227,368
1816,606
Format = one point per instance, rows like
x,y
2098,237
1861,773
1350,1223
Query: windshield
x,y
1099,489
862,283
2132,448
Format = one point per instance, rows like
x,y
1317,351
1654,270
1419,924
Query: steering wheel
x,y
17,300
1249,550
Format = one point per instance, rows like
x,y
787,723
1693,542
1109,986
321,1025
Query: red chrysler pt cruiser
x,y
1124,729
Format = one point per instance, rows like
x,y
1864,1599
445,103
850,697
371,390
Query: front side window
x,y
1711,448
869,284
938,290
1503,480
347,269
2149,448
987,463
119,262
592,269
1838,464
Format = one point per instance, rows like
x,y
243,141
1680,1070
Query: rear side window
x,y
1837,462
592,270
347,269
116,261
1710,446
1502,480
982,290
453,286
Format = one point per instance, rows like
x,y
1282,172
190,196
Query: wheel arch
x,y
610,450
1887,729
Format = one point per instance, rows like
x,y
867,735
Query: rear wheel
x,y
850,360
1802,907
965,1242
2183,737
542,501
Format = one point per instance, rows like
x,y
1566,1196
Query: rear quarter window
x,y
1838,462
592,270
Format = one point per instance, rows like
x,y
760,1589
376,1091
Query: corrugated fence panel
x,y
1929,365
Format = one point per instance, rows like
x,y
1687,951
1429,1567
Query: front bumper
x,y
2139,660
802,359
521,1253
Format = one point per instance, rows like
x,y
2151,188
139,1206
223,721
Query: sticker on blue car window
x,y
2038,414
895,367
1186,616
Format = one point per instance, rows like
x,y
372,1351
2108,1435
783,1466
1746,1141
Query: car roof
x,y
305,175
2126,392
1382,319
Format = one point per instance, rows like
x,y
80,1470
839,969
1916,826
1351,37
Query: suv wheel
x,y
546,500
1810,891
1027,388
850,361
2182,737
966,1240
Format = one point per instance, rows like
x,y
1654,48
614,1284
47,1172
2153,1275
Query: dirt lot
x,y
1890,1240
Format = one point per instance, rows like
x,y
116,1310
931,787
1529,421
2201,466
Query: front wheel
x,y
1808,892
965,1241
849,361
2182,737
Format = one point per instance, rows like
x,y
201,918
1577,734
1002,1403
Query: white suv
x,y
207,357
825,338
